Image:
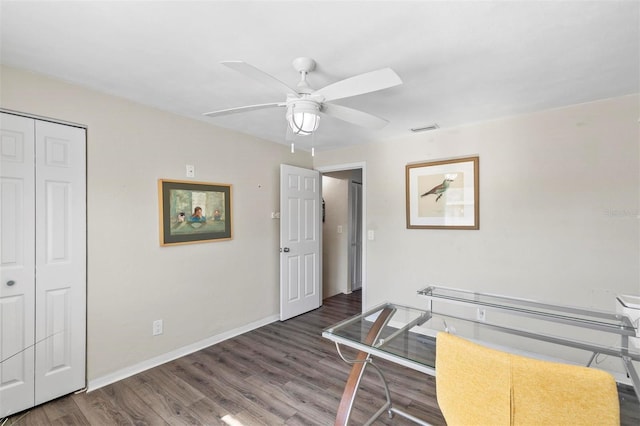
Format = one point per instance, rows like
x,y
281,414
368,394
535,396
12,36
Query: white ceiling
x,y
461,61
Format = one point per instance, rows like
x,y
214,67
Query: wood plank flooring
x,y
284,373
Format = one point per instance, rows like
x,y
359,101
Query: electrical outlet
x,y
481,315
157,327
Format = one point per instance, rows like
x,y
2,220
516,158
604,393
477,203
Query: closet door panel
x,y
60,260
17,257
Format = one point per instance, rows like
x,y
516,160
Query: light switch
x,y
370,235
191,170
339,229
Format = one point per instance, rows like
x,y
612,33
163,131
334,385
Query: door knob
x,y
286,250
10,283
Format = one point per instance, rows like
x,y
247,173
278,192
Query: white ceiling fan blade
x,y
354,116
259,75
360,84
243,109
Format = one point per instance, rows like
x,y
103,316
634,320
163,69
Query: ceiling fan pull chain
x,y
289,137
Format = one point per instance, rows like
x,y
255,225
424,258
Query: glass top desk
x,y
407,335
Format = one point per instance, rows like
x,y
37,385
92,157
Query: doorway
x,y
343,227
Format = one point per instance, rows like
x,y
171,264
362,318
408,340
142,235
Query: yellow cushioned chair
x,y
550,393
481,386
472,382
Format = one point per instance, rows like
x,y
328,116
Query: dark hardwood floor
x,y
282,373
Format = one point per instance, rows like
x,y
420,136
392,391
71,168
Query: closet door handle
x,y
10,283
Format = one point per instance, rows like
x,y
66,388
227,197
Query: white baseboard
x,y
177,353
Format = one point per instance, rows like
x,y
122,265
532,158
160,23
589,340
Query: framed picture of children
x,y
194,212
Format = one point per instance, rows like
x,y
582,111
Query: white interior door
x,y
43,261
17,260
300,237
60,260
355,235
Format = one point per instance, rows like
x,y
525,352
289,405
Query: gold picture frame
x,y
443,194
194,212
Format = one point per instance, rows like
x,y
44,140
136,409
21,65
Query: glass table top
x,y
410,334
401,336
580,317
565,334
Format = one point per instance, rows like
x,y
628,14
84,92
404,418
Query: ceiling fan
x,y
304,104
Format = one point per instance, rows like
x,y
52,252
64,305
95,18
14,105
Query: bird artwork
x,y
439,190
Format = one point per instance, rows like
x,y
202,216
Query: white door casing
x,y
17,260
43,223
300,239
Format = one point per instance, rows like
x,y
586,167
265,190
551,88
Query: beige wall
x,y
559,203
199,290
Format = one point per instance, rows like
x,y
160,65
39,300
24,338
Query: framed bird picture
x,y
443,194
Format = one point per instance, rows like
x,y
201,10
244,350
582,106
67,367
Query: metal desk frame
x,y
369,348
372,346
607,322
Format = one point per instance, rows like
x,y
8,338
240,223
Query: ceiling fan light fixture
x,y
303,117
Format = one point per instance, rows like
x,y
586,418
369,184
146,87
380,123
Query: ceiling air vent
x,y
425,128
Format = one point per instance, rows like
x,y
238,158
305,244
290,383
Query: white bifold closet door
x,y
42,261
